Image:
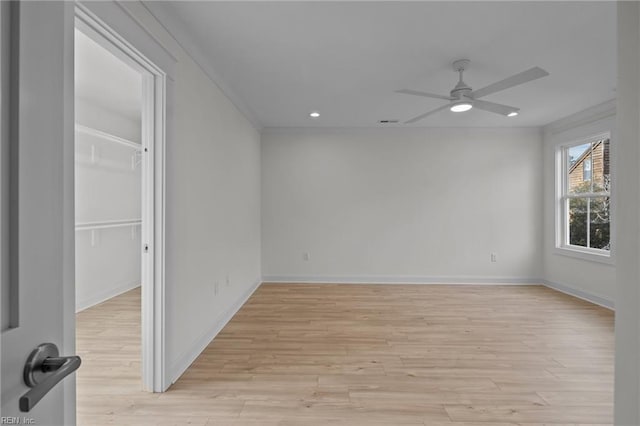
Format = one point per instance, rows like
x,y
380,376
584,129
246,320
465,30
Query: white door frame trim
x,y
153,190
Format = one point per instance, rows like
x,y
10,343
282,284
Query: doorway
x,y
108,218
37,209
119,197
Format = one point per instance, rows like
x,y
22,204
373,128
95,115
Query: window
x,y
586,169
584,178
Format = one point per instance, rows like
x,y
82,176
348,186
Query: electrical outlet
x,y
216,286
494,257
306,256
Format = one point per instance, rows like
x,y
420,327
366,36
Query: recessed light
x,y
314,114
512,114
461,106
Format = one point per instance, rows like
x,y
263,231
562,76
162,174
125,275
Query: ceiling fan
x,y
463,98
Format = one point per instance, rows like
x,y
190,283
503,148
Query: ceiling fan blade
x,y
425,94
421,116
493,107
515,80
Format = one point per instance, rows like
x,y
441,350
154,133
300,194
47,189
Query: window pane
x,y
586,169
578,221
601,166
579,167
599,223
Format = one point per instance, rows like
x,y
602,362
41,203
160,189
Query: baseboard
x,y
462,280
105,295
187,357
401,279
581,294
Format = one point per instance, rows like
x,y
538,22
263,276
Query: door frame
x,y
154,122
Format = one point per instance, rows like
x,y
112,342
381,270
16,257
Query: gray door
x,y
37,201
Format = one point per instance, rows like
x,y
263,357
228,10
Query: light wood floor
x,y
366,355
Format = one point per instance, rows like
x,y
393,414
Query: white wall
x,y
106,119
108,267
584,278
402,205
212,206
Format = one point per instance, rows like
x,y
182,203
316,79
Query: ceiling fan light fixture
x,y
461,106
463,97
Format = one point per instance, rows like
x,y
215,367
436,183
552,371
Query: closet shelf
x,y
87,226
107,136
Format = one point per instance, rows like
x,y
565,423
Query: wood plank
x,y
330,354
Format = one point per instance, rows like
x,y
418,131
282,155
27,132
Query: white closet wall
x,y
107,175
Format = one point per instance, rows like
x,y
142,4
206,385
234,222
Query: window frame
x,y
563,197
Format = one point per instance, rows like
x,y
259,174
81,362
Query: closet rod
x,y
87,226
107,136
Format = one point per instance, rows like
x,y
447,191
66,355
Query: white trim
x,y
598,112
83,304
587,195
466,280
161,122
585,140
388,130
147,231
561,228
584,253
186,358
399,279
153,190
580,294
87,226
120,21
108,137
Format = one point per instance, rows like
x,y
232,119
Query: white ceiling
x,y
105,80
281,60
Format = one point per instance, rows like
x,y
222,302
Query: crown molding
x,y
183,37
586,116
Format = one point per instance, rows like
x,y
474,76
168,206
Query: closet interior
x,y
107,174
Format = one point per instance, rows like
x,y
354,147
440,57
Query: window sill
x,y
585,255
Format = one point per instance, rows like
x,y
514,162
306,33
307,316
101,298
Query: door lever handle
x,y
43,370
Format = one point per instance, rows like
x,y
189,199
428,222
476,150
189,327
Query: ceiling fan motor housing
x,y
461,90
